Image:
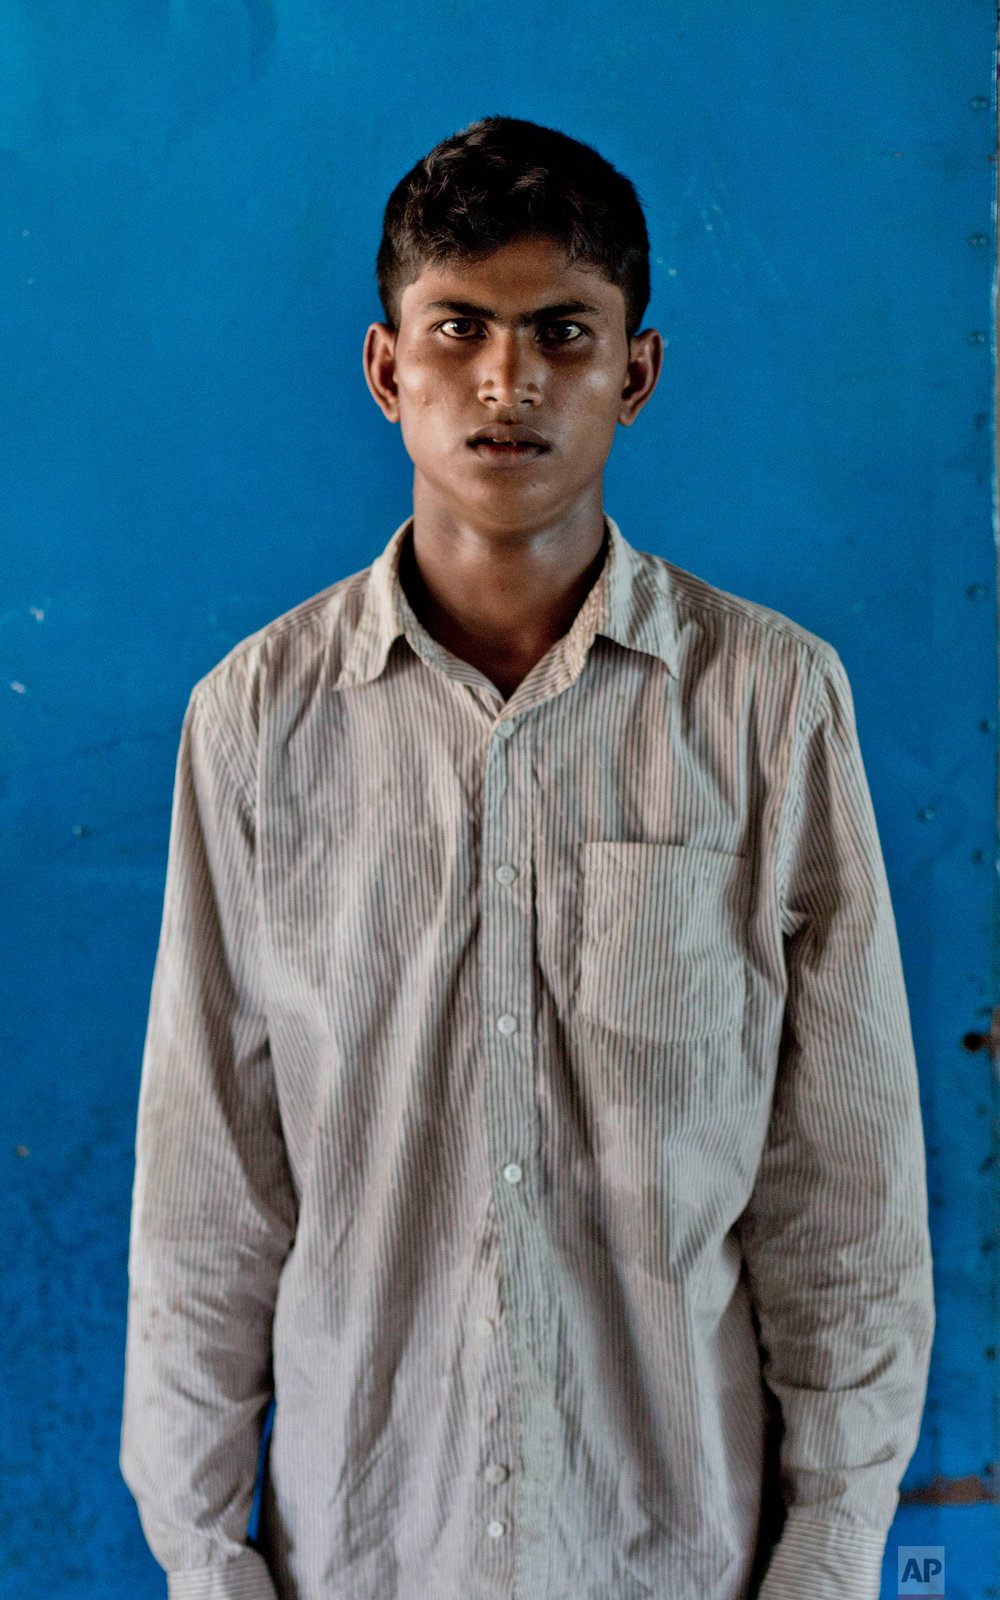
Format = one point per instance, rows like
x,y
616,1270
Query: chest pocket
x,y
660,953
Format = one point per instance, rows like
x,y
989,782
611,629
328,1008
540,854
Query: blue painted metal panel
x,y
191,194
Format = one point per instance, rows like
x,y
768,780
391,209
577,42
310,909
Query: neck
x,y
500,599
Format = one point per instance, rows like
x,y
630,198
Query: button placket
x,y
507,934
498,1446
507,979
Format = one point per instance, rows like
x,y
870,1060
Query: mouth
x,y
507,444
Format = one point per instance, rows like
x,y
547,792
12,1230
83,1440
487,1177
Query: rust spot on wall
x,y
973,1490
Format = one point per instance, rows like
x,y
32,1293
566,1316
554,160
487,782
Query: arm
x,y
214,1210
835,1236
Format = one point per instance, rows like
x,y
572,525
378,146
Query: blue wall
x,y
190,195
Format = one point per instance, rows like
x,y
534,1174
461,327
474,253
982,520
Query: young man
x,y
528,1103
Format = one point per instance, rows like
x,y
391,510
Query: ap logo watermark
x,y
921,1569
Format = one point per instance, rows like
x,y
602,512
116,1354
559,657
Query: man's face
x,y
509,374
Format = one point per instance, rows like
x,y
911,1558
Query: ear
x,y
380,369
645,359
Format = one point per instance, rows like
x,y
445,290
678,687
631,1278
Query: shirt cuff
x,y
824,1561
245,1578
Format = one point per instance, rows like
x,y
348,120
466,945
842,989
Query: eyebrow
x,y
528,319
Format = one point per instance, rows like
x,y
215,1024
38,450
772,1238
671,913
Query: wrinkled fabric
x,y
529,1106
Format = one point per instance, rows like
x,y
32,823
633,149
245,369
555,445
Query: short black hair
x,y
499,179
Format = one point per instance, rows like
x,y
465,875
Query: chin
x,y
506,510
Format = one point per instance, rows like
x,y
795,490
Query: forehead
x,y
522,276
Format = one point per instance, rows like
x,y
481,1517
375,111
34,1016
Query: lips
x,y
507,442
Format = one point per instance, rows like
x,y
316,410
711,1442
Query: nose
x,y
511,372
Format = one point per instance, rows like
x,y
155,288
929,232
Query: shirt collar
x,y
631,602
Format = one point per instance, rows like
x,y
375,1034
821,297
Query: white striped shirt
x,y
529,1106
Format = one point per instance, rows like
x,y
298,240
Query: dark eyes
x,y
562,332
548,332
458,327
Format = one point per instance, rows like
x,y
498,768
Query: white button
x,y
495,1473
505,729
512,1172
506,873
484,1327
496,1530
507,1023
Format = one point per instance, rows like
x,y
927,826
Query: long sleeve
x,y
214,1209
835,1236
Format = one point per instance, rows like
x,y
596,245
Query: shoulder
x,y
716,629
744,623
286,657
736,664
